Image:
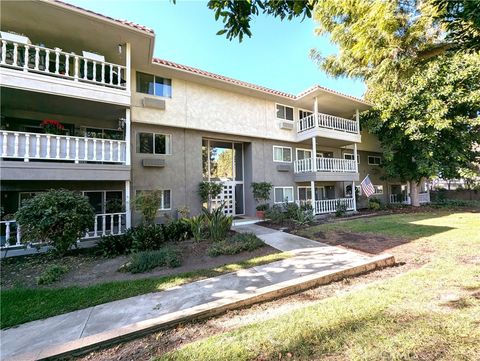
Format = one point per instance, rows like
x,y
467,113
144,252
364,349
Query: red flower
x,y
51,123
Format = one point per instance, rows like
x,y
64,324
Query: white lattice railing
x,y
105,224
321,120
330,205
326,165
27,146
55,62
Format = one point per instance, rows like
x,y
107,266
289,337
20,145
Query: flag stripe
x,y
367,186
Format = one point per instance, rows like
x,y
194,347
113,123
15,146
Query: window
x,y
303,154
282,154
350,156
304,193
105,201
374,160
154,85
303,114
324,154
165,199
153,143
104,133
284,112
283,194
378,189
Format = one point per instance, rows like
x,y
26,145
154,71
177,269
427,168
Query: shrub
x,y
208,191
57,217
115,245
148,260
291,210
263,207
275,214
197,227
238,243
177,230
261,193
303,215
52,274
146,237
341,209
374,203
147,203
217,224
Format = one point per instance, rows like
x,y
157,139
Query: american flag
x,y
367,187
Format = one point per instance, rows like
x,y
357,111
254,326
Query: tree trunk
x,y
414,187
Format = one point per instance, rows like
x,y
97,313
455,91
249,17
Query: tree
x,y
57,217
148,203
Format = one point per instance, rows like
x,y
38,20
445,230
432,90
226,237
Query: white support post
x,y
128,66
315,111
355,157
312,187
357,119
354,197
127,136
128,210
314,153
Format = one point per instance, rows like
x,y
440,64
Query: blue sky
x,y
276,56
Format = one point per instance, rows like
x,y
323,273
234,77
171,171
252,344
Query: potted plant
x,y
51,126
261,193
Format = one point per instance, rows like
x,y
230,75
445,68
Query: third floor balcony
x,y
328,126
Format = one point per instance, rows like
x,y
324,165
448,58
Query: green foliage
x,y
299,215
197,227
263,207
303,215
238,243
341,209
148,260
217,224
52,274
375,204
209,190
148,202
261,193
115,245
177,230
276,214
57,217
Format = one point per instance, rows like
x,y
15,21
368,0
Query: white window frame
x,y
283,161
154,76
375,186
162,201
374,156
286,106
167,151
302,149
309,188
104,196
352,155
304,110
283,188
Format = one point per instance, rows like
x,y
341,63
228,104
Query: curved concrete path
x,y
312,264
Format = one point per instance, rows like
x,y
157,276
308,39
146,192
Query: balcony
x,y
38,68
326,169
328,126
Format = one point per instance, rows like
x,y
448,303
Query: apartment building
x,y
86,107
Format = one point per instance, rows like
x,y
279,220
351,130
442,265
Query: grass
x,y
20,305
409,317
52,274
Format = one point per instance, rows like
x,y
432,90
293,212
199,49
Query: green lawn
x,y
431,313
21,305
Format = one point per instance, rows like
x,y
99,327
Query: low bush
x,y
238,243
115,245
452,203
276,214
148,260
52,274
177,230
217,224
303,215
375,204
197,227
341,209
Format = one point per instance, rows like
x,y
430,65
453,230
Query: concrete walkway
x,y
312,264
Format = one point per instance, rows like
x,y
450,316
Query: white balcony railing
x,y
331,205
60,64
325,165
105,224
26,146
406,199
327,121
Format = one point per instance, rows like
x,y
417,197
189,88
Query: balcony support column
x,y
354,197
128,66
315,110
314,154
312,187
355,156
127,137
357,119
128,208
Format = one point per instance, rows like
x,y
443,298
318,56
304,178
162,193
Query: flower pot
x,y
260,214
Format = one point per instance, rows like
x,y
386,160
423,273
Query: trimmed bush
x,y
52,274
115,245
276,214
57,217
375,203
148,260
238,243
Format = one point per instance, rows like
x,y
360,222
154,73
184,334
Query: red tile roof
x,y
123,22
208,74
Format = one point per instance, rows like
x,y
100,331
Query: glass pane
x,y
288,113
113,134
145,83
221,161
277,154
238,148
239,199
96,201
113,202
163,87
280,111
288,195
166,199
330,192
160,144
145,143
319,193
287,155
302,194
278,195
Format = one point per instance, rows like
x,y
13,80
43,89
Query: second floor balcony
x,y
324,169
